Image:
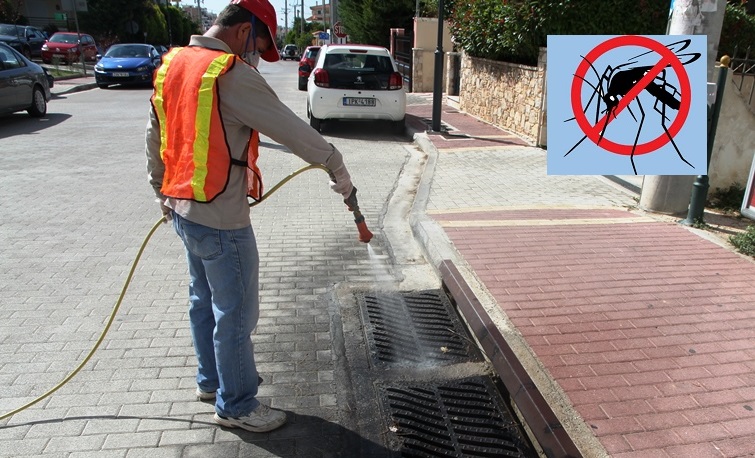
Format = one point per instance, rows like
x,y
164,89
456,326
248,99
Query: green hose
x,y
128,282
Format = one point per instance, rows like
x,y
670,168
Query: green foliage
x,y
513,30
738,31
745,241
107,21
727,200
10,12
370,21
301,40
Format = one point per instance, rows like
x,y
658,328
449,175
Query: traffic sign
x,y
339,30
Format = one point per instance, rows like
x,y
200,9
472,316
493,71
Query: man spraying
x,y
208,108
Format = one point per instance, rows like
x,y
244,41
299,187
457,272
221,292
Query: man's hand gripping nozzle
x,y
364,234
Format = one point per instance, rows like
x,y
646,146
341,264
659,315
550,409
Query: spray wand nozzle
x,y
351,202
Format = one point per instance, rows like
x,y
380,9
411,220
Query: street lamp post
x,y
438,76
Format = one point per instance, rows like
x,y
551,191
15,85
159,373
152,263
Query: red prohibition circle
x,y
666,55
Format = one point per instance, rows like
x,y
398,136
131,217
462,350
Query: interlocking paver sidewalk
x,y
646,329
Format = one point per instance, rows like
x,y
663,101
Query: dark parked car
x,y
23,38
23,84
306,64
67,47
127,63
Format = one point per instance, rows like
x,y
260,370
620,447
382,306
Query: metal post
x,y
81,49
438,75
302,17
170,29
700,186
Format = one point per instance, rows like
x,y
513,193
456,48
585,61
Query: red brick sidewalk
x,y
647,328
459,131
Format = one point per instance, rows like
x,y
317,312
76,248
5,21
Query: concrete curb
x,y
74,88
438,249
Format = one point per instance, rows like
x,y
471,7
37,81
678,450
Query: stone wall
x,y
511,96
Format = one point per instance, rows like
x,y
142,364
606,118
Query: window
x,y
9,60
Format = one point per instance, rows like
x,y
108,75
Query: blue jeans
x,y
223,310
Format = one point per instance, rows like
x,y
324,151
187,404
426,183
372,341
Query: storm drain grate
x,y
419,328
460,418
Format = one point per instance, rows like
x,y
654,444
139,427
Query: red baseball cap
x,y
265,12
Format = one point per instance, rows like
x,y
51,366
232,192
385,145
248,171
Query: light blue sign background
x,y
565,53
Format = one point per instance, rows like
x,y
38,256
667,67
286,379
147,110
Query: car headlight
x,y
44,47
143,68
99,68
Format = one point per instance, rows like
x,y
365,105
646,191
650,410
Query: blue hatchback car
x,y
127,63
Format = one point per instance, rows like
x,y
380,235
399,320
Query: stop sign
x,y
338,30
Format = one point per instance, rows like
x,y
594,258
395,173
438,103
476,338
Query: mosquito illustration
x,y
615,82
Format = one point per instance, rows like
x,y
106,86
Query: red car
x,y
306,64
65,46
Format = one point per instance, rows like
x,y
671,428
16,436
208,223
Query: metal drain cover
x,y
454,418
417,329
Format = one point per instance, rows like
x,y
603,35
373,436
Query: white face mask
x,y
252,58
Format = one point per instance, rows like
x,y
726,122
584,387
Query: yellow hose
x,y
125,288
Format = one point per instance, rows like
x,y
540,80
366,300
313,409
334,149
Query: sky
x,y
217,5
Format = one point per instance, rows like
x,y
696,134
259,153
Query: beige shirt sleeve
x,y
250,101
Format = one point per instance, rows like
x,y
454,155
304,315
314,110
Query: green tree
x,y
301,40
10,12
113,21
370,21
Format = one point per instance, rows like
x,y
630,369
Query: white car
x,y
355,82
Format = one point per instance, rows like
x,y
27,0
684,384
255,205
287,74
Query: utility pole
x,y
170,29
671,193
285,14
302,17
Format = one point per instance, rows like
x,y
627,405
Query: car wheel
x,y
398,127
316,123
38,106
302,84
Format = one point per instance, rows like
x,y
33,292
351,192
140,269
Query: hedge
x,y
513,30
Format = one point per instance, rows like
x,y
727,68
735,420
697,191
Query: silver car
x,y
24,85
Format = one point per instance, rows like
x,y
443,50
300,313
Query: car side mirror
x,y
305,68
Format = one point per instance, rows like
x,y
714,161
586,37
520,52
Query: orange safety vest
x,y
193,145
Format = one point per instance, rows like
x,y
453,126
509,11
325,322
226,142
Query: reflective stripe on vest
x,y
193,145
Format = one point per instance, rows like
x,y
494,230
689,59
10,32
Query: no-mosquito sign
x,y
627,104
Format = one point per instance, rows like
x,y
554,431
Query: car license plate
x,y
358,102
120,74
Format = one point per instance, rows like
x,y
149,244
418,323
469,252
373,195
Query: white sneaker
x,y
262,419
205,395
